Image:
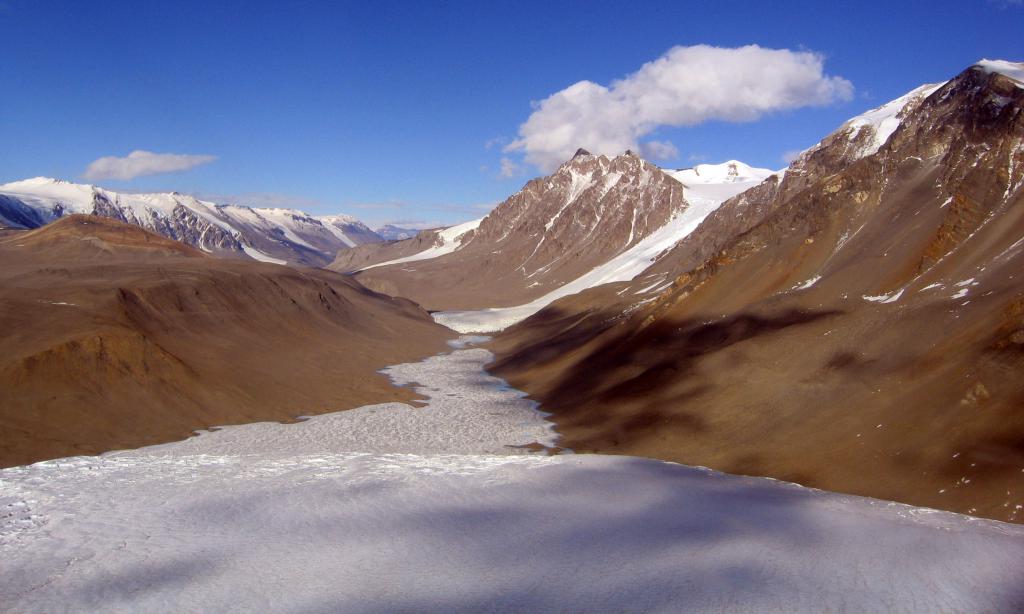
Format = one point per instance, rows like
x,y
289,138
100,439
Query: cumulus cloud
x,y
141,163
684,87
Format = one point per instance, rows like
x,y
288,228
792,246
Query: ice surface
x,y
374,513
467,412
409,533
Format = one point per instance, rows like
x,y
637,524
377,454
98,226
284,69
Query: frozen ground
x,y
334,515
468,412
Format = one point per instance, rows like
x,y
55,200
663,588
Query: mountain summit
x,y
552,231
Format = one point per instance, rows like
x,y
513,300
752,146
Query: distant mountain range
x,y
390,232
267,234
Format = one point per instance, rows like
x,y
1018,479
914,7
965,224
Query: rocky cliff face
x,y
274,235
552,231
853,323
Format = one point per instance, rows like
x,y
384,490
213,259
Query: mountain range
x,y
853,322
265,234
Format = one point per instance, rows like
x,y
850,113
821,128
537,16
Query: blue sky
x,y
386,110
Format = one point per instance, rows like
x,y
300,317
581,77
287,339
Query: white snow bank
x,y
408,533
808,283
256,254
623,267
885,298
451,240
723,174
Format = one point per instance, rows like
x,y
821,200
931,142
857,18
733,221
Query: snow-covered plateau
x,y
433,508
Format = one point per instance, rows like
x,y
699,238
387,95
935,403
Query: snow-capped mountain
x,y
425,245
266,234
553,231
589,197
390,232
855,322
705,187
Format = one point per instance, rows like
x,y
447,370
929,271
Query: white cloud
x,y
495,142
790,155
140,163
274,200
684,87
659,150
509,168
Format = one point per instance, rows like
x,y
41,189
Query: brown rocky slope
x,y
552,231
115,337
857,326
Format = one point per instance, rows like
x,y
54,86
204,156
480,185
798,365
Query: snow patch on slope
x,y
884,120
892,297
335,223
450,240
705,188
256,254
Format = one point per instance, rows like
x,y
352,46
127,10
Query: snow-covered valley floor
x,y
415,509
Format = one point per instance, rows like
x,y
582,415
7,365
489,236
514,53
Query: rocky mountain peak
x,y
581,152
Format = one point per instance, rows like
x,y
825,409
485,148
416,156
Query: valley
x,y
626,387
405,508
